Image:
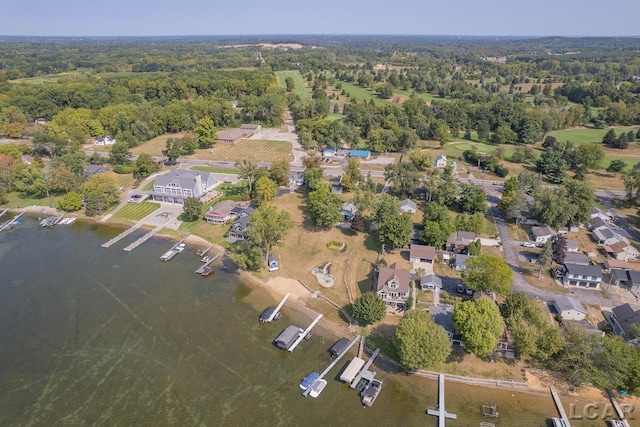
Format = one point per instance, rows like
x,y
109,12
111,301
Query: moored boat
x,y
370,394
309,380
317,388
206,271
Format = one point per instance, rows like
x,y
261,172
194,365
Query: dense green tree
x,y
279,172
312,160
246,255
63,180
314,178
119,154
325,207
100,192
192,209
173,149
587,157
616,166
488,272
404,176
480,324
268,228
558,248
474,248
71,202
247,171
472,198
144,166
545,257
352,176
206,132
420,342
30,180
369,307
396,231
388,206
264,191
11,150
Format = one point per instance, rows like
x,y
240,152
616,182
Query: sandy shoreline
x,y
276,287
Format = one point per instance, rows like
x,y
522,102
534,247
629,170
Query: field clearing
x,y
587,135
136,211
17,200
361,94
53,78
428,97
255,150
300,84
214,169
156,145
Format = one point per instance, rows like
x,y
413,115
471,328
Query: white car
x,y
528,245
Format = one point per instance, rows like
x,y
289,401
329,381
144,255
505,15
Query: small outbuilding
x,y
273,263
408,206
361,154
569,308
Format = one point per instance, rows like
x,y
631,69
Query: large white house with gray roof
x,y
569,308
582,276
180,184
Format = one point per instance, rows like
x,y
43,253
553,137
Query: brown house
x,y
393,285
230,136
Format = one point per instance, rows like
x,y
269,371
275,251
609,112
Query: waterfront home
x,y
625,321
408,206
221,212
542,234
393,285
422,253
569,308
582,276
238,230
180,184
430,282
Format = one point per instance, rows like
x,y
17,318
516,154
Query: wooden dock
x,y
200,269
203,252
3,212
122,235
333,364
14,221
441,413
364,372
361,348
556,400
304,334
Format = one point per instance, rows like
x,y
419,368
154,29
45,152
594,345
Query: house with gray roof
x,y
626,278
458,241
221,212
582,276
572,245
460,262
569,308
393,285
542,234
604,236
409,206
430,282
576,258
180,184
625,320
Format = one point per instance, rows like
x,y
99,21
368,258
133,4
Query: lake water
x,y
94,336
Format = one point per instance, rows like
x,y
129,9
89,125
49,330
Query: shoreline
x,y
276,287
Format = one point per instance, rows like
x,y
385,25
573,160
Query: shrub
x,y
123,170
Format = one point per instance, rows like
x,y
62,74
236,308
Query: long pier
x,y
3,212
618,409
556,400
279,306
15,220
441,413
122,235
304,334
200,270
334,363
364,372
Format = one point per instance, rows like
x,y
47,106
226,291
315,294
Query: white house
x,y
106,140
605,236
430,282
180,184
542,233
422,253
409,206
582,276
569,308
622,251
440,161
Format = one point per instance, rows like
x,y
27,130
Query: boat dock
x,y
618,409
175,249
305,333
12,222
365,372
334,363
203,251
556,400
201,269
122,235
441,413
277,310
3,212
144,238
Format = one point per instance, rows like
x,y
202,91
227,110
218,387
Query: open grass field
x,y
255,150
156,145
124,180
428,97
361,94
136,211
53,78
214,170
16,200
588,135
300,84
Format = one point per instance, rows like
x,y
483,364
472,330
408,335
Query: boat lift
x,y
332,364
305,333
364,372
441,413
275,312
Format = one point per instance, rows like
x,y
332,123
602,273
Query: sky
x,y
246,17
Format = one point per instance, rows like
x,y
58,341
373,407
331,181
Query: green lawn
x,y
300,84
333,117
428,97
361,94
586,136
214,169
124,180
53,78
16,200
136,211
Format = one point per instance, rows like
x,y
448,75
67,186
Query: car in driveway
x,y
528,245
460,288
136,198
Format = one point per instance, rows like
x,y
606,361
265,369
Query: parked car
x,y
528,245
460,288
136,198
469,291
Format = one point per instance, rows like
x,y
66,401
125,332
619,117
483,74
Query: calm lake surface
x,y
101,337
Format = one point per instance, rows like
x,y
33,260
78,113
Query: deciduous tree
x,y
488,272
268,228
369,307
265,190
480,324
325,207
192,209
396,231
420,342
100,192
206,132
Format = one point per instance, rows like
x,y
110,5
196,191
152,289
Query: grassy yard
x,y
300,84
428,97
214,170
136,211
156,145
123,180
588,135
16,200
255,150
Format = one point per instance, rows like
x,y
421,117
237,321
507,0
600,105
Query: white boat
x,y
309,380
73,218
559,422
317,388
180,247
370,394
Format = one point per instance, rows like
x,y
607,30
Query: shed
x,y
361,154
409,206
352,370
288,337
430,282
273,263
461,262
339,346
569,308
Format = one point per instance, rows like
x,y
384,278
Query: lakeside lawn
x,y
300,84
17,200
136,211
